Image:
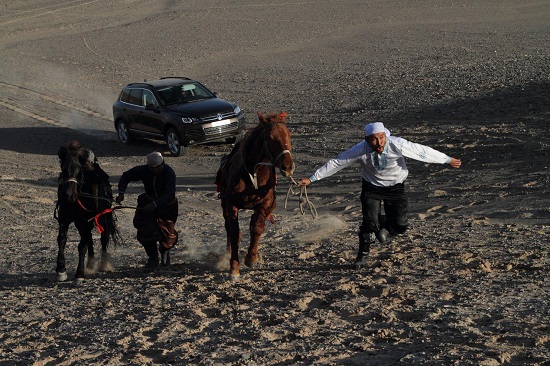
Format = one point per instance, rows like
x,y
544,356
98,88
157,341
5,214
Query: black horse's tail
x,y
114,234
109,220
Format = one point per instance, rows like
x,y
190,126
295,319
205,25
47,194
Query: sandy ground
x,y
466,285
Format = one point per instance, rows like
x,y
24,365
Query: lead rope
x,y
302,198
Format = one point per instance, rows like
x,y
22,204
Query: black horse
x,y
84,197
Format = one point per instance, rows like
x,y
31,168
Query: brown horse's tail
x,y
220,181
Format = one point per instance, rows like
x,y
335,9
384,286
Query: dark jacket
x,y
161,187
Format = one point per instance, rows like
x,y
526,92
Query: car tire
x,y
174,143
123,133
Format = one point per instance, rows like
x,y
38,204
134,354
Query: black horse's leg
x,y
91,254
61,270
86,241
105,263
231,216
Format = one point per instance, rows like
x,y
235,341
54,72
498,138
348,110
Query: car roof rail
x,y
174,77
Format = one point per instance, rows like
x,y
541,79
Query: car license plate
x,y
220,123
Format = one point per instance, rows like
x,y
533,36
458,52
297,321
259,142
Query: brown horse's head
x,y
277,139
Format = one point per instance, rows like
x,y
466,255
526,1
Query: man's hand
x,y
119,198
150,207
303,182
455,163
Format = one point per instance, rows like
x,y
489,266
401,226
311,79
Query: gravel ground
x,y
466,285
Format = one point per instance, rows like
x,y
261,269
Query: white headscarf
x,y
376,127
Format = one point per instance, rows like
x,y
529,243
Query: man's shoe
x,y
365,241
383,236
151,265
360,261
165,258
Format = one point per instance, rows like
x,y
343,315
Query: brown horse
x,y
246,180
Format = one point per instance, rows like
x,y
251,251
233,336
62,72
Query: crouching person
x,y
157,209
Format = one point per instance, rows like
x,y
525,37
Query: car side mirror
x,y
150,107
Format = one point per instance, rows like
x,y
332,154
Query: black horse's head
x,y
71,157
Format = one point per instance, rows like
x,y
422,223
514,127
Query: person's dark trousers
x,y
148,230
395,208
148,233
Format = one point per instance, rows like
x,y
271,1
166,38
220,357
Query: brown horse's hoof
x,y
252,261
234,272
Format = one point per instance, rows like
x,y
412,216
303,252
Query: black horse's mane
x,y
73,147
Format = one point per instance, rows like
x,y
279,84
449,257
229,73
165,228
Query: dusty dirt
x,y
466,285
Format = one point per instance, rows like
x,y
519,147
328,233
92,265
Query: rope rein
x,y
94,196
302,194
303,199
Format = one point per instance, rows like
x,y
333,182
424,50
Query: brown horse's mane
x,y
270,120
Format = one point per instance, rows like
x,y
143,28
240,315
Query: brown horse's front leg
x,y
257,227
231,217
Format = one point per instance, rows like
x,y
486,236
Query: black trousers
x,y
395,208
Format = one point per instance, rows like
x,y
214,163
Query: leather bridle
x,y
271,163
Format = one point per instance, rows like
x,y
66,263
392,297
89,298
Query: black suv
x,y
181,111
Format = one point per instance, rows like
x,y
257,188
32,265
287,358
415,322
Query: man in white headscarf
x,y
383,169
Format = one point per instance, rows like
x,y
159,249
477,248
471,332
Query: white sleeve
x,y
421,152
343,160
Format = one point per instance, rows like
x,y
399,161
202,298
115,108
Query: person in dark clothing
x,y
157,209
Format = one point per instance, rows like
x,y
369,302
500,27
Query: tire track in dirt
x,y
25,101
16,17
15,194
39,184
9,104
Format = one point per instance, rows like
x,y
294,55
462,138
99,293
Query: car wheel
x,y
174,143
123,133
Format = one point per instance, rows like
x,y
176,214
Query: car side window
x,y
135,96
125,95
149,98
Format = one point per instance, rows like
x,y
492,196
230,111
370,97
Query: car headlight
x,y
188,120
237,110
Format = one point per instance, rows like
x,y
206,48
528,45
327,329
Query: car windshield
x,y
183,93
